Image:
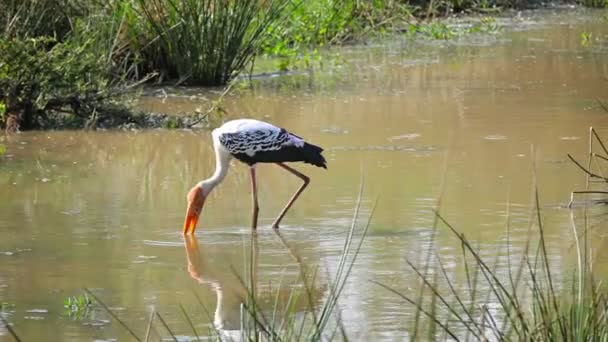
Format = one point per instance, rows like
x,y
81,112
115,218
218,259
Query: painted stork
x,y
251,142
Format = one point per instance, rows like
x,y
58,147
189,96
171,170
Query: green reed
x,y
527,304
206,42
593,3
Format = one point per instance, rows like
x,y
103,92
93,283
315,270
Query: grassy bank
x,y
68,64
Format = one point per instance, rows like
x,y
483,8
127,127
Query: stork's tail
x,y
312,155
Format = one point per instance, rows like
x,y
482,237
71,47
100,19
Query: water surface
x,y
466,121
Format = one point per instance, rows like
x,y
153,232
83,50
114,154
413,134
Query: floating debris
x,y
495,137
409,136
37,311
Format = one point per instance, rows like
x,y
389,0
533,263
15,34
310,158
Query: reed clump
x,y
528,303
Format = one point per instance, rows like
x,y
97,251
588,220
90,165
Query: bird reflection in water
x,y
232,291
228,287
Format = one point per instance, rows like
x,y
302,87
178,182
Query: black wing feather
x,y
260,146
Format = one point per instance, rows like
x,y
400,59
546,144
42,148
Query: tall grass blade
x,y
189,321
500,291
149,329
162,321
420,308
105,307
437,295
10,329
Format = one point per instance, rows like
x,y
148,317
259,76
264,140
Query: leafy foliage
x,y
317,23
2,111
41,74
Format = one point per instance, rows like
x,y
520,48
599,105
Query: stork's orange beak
x,y
196,199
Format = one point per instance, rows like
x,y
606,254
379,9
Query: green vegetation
x,y
526,303
586,38
203,42
594,3
438,30
78,307
5,306
67,64
40,76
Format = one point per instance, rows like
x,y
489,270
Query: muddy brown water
x,y
464,120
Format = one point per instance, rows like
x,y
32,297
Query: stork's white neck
x,y
222,163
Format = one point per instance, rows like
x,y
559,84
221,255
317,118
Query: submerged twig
x,y
10,329
584,192
603,105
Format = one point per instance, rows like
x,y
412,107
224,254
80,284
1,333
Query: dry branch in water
x,y
594,158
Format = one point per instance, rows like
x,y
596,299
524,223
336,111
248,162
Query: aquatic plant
x,y
314,24
78,307
586,38
32,18
439,30
2,112
524,305
206,42
5,324
594,3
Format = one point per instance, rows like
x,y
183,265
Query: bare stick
x,y
599,168
602,104
591,174
599,140
599,156
584,192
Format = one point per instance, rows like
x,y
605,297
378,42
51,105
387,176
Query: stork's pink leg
x,y
254,199
306,180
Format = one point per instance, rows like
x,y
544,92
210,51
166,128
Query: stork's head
x,y
196,200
